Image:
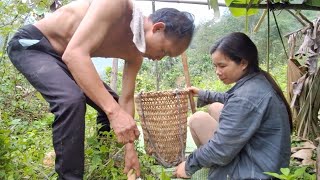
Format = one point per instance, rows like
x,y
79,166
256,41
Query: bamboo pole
x,y
260,21
187,77
297,18
318,161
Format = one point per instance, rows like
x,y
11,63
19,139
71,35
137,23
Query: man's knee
x,y
74,97
68,102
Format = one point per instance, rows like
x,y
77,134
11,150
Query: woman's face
x,y
227,70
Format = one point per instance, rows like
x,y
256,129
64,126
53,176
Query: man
x,y
55,54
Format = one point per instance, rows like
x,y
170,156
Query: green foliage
x,y
23,149
279,73
143,83
164,176
107,79
5,156
23,138
104,157
299,173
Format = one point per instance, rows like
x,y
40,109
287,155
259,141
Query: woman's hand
x,y
180,171
194,90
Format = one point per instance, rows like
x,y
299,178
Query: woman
x,y
247,129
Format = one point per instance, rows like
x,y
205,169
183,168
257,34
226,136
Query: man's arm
x,y
126,101
94,27
130,72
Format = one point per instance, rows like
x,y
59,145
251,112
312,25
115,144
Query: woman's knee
x,y
196,119
215,109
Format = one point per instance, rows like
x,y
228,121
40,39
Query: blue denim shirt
x,y
253,135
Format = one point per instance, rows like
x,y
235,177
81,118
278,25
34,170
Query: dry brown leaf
x,y
307,162
303,154
49,158
305,47
305,145
309,144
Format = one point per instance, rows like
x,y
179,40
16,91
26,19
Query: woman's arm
x,y
206,97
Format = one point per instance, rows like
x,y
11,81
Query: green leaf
x,y
96,160
285,171
164,176
39,11
275,175
15,122
299,172
103,149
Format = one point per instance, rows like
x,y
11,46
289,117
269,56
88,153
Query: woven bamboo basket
x,y
163,116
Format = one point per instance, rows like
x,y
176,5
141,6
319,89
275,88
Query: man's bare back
x,y
60,27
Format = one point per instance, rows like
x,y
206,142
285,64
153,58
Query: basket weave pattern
x,y
163,117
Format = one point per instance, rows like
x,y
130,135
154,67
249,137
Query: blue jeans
x,y
32,54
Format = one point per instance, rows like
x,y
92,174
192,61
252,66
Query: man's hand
x,y
124,126
131,160
180,171
193,90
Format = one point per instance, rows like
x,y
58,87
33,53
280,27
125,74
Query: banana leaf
x,y
308,124
242,11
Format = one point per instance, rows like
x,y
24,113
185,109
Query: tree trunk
x,y
114,74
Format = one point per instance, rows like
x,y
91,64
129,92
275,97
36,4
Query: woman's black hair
x,y
238,46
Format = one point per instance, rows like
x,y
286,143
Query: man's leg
x,y
102,118
50,77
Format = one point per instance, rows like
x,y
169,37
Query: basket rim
x,y
165,92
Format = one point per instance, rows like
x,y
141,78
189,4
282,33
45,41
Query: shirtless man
x,y
54,54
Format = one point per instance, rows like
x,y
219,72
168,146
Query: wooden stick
x,y
186,75
260,21
318,160
131,175
114,75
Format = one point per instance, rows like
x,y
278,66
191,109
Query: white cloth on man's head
x,y
137,29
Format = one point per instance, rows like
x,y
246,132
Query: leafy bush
x,y
298,174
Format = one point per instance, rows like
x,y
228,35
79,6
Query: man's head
x,y
169,33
